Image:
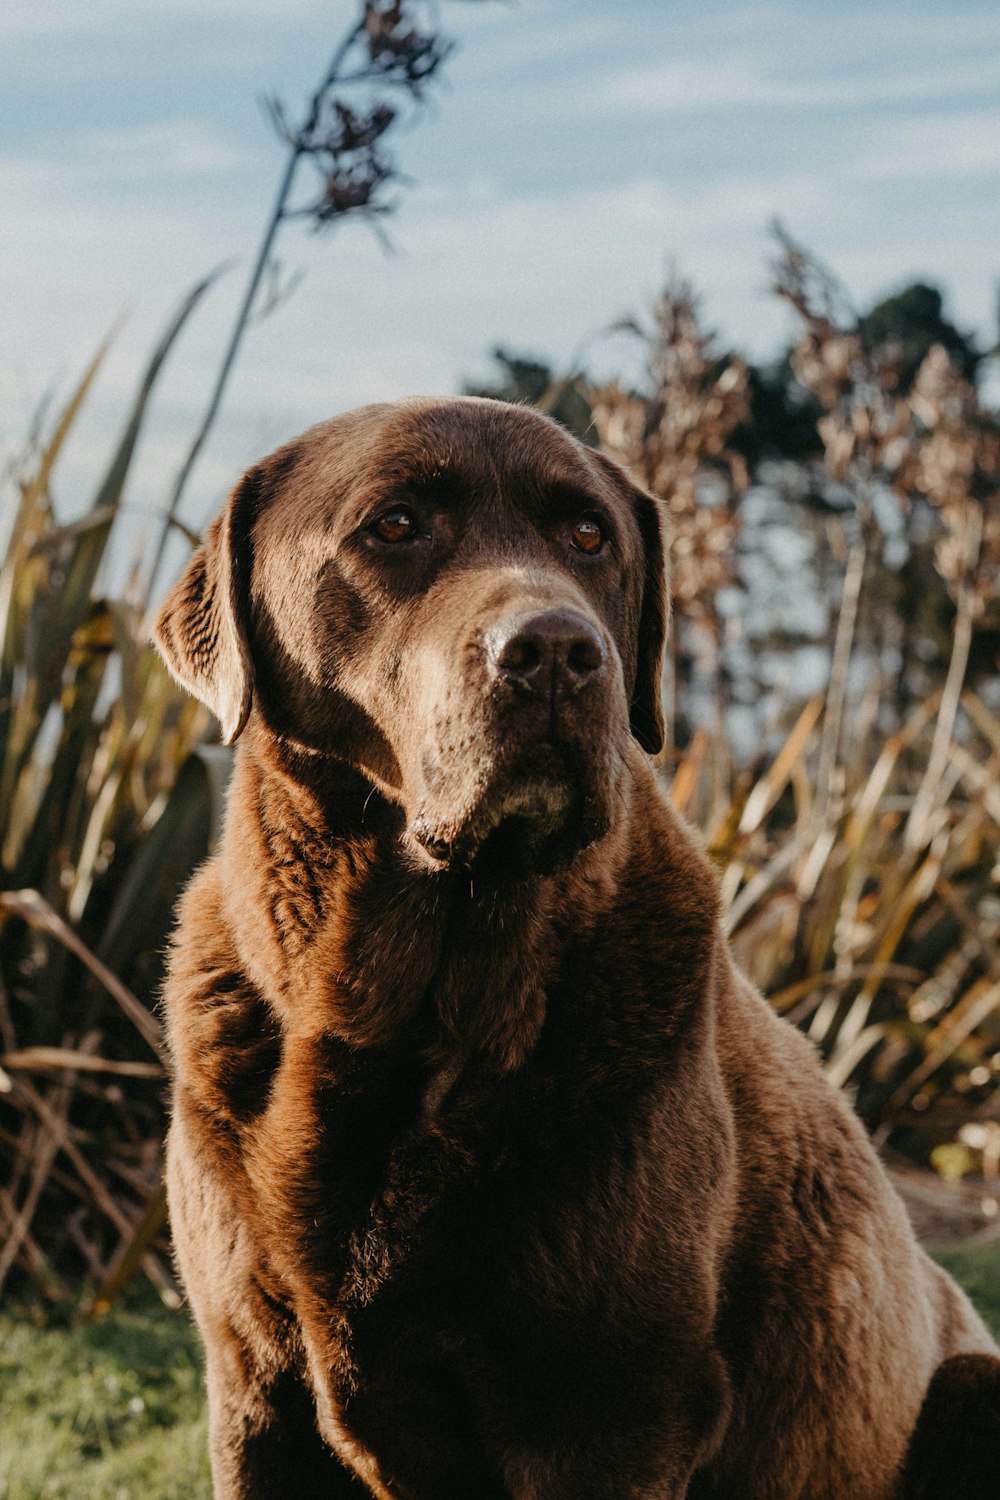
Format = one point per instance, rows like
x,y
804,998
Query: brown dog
x,y
491,1178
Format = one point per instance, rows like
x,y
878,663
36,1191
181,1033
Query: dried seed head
x,y
674,438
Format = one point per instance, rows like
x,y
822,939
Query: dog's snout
x,y
556,647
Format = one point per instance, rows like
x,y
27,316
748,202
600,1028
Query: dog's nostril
x,y
585,655
520,656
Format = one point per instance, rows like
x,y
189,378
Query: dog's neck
x,y
361,942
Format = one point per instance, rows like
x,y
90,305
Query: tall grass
x,y
881,946
858,857
107,792
105,807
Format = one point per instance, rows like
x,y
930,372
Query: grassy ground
x,y
114,1410
977,1267
111,1410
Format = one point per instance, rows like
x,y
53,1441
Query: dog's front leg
x,y
263,1435
263,1438
660,1458
591,1476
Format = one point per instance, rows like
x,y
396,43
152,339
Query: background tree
x,y
527,381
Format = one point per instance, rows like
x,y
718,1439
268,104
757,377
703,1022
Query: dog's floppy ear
x,y
201,628
646,710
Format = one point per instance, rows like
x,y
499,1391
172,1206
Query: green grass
x,y
110,1410
114,1410
977,1268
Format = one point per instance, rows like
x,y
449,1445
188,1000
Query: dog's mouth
x,y
530,832
532,823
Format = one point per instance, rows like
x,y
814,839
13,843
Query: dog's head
x,y
457,598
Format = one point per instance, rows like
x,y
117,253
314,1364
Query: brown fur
x,y
491,1178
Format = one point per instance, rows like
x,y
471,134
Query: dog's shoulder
x,y
223,1035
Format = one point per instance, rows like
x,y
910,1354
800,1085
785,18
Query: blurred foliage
x,y
857,843
105,808
908,325
858,849
977,1268
859,868
530,382
879,941
107,794
674,435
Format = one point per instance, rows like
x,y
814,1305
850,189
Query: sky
x,y
577,151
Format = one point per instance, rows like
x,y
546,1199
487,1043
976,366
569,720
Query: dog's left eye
x,y
396,525
588,535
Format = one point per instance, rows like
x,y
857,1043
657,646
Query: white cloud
x,y
492,48
21,19
706,84
855,28
103,228
966,144
162,149
28,19
775,56
687,84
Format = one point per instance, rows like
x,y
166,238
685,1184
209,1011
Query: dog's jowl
x,y
491,1178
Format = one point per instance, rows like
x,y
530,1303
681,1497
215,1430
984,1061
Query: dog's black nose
x,y
555,648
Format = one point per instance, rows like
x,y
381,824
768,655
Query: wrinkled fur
x,y
490,1177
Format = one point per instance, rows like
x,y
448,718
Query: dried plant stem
x,y
951,696
836,697
923,803
57,1125
30,1256
32,908
242,320
133,1251
44,1150
959,1025
47,1059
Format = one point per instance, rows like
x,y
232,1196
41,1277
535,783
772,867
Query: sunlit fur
x,y
490,1177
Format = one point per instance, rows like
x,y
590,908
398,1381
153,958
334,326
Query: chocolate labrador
x,y
491,1177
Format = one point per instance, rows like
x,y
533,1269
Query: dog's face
x,y
455,597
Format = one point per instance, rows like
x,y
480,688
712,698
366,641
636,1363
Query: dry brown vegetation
x,y
857,848
859,866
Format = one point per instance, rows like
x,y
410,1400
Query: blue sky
x,y
577,149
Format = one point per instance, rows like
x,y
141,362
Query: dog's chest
x,y
499,1320
391,1347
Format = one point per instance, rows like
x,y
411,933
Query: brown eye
x,y
399,525
587,535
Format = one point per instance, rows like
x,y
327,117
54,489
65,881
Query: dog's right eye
x,y
396,525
